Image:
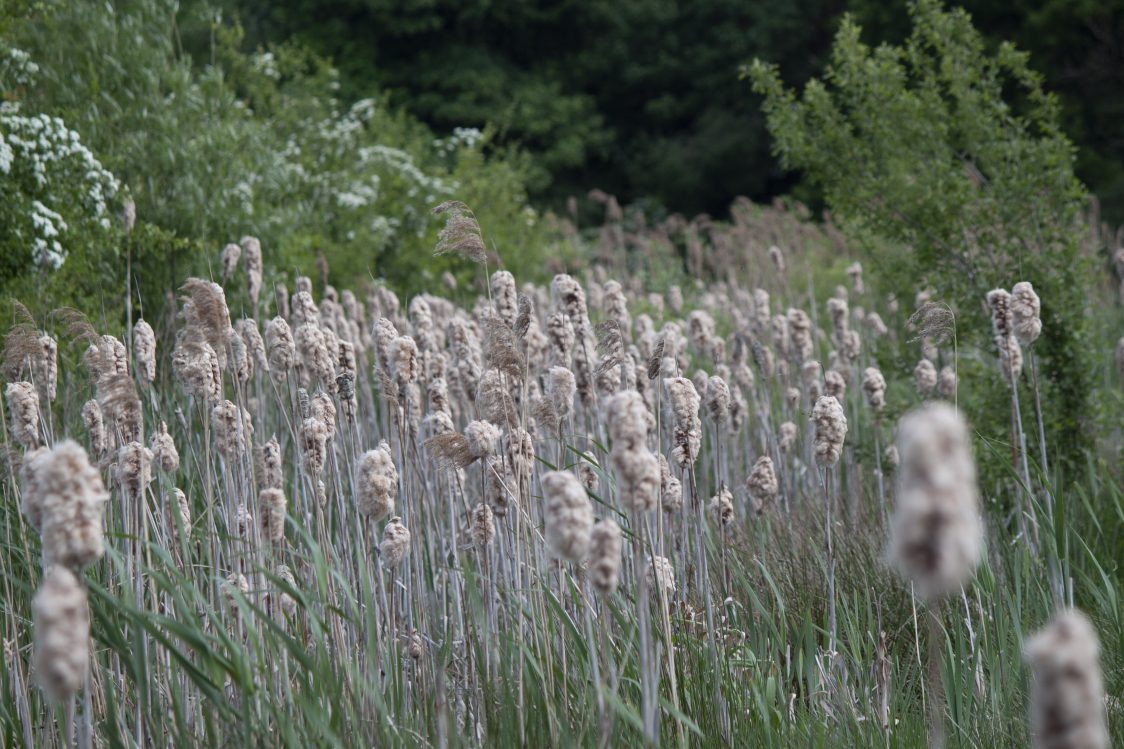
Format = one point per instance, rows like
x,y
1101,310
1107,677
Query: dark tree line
x,y
643,98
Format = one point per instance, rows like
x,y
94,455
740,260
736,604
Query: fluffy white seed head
x,y
377,484
1067,701
925,375
937,533
568,515
23,407
62,634
874,388
605,556
831,430
144,347
395,545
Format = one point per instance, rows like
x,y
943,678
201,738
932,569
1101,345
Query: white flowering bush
x,y
49,180
259,142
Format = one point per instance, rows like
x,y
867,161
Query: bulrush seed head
x,y
134,469
831,430
271,513
377,483
70,500
280,348
62,634
874,388
661,575
568,514
314,440
925,375
144,348
722,506
483,525
395,544
163,449
937,533
269,471
1067,701
605,556
23,405
683,400
762,484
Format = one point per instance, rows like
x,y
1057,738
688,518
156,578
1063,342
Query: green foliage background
x,y
640,97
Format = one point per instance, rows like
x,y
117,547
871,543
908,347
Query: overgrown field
x,y
594,513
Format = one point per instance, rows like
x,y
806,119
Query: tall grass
x,y
764,635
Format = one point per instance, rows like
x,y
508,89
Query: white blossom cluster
x,y
53,160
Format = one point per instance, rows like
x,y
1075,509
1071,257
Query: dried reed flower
x,y
505,297
661,576
323,408
925,375
1010,357
521,454
64,499
1067,700
395,543
999,301
95,427
568,514
835,385
144,347
890,458
874,323
163,449
777,256
134,469
252,262
62,634
946,383
683,400
675,299
605,545
461,234
671,488
718,399
280,347
45,367
271,513
855,272
481,437
206,315
761,314
316,360
248,330
269,471
874,388
762,484
177,513
314,439
377,483
831,430
287,602
637,467
722,505
800,333
229,430
937,533
240,365
23,406
787,437
196,366
230,256
483,526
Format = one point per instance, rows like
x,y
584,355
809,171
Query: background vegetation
x,y
640,97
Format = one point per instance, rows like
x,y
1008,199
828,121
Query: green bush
x,y
956,154
240,143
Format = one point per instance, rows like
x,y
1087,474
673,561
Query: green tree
x,y
957,154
